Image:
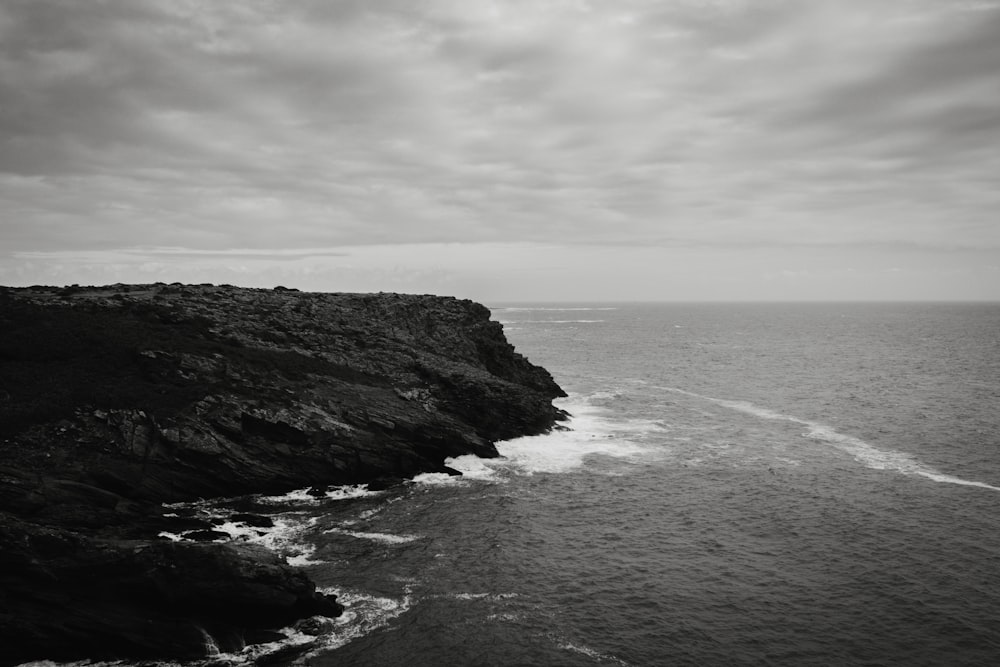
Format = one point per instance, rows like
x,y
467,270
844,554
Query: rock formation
x,y
117,399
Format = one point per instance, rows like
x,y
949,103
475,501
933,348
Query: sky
x,y
517,150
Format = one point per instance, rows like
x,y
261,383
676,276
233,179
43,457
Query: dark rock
x,y
383,483
315,625
77,596
255,520
118,399
206,535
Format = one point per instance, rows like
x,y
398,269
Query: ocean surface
x,y
741,485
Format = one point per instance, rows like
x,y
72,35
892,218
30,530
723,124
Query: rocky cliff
x,y
117,399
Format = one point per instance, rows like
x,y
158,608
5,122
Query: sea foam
x,y
386,538
863,452
307,497
362,615
588,432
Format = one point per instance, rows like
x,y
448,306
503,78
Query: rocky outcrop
x,y
114,400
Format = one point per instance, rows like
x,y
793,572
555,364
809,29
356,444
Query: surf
x,y
590,431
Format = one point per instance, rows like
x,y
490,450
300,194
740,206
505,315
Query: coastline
x,y
119,399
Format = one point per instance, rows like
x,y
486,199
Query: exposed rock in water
x,y
114,400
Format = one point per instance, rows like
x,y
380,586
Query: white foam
x,y
348,492
472,467
306,496
590,432
948,479
254,652
284,537
863,452
386,538
436,479
304,558
362,615
591,653
483,596
297,496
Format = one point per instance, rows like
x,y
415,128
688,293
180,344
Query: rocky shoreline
x,y
115,400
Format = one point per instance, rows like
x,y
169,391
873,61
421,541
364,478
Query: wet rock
x,y
383,483
206,535
255,520
114,599
315,625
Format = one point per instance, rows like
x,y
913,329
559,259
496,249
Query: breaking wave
x,y
589,432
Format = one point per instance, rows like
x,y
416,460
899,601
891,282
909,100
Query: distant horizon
x,y
500,303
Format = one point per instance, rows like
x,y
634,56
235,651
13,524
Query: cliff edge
x,y
114,400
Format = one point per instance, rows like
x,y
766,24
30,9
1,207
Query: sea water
x,y
740,485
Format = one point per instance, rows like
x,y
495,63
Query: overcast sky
x,y
508,150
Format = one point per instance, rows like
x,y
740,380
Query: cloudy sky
x,y
506,151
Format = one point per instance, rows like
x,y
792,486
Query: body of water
x,y
741,485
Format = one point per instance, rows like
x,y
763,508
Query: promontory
x,y
116,400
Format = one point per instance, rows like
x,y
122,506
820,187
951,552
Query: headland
x,y
116,400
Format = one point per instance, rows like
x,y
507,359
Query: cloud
x,y
278,127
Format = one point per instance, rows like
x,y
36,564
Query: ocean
x,y
740,484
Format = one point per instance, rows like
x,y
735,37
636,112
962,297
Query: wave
x,y
471,466
588,432
284,537
863,452
306,496
363,614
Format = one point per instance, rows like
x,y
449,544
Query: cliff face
x,y
116,399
